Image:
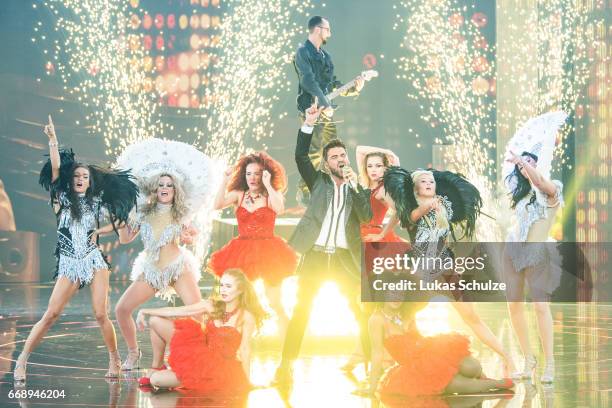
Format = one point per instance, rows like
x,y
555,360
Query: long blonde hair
x,y
441,216
364,179
179,208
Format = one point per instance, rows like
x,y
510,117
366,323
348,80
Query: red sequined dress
x,y
256,250
204,357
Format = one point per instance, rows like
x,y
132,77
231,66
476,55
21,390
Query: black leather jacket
x,y
321,188
315,71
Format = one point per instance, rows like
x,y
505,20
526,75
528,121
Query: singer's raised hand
x,y
349,175
312,113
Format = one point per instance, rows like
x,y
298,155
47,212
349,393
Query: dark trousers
x,y
315,268
323,132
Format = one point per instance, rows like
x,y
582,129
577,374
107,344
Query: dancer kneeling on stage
x,y
211,357
431,365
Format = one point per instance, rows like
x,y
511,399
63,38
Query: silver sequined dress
x,y
145,265
527,242
431,242
77,257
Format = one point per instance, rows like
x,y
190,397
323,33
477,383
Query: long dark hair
x,y
523,186
73,197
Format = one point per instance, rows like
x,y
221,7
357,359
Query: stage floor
x,y
72,360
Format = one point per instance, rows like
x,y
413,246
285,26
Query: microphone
x,y
344,174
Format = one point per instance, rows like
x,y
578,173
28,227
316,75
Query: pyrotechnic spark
x,y
448,63
563,48
100,66
256,42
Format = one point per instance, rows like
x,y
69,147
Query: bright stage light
x,y
330,315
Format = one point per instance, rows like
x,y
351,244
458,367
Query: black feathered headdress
x,y
115,187
463,195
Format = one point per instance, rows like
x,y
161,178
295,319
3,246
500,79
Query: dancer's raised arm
x,y
53,149
276,198
204,306
225,198
537,179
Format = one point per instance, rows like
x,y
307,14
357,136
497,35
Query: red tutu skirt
x,y
271,259
426,365
204,359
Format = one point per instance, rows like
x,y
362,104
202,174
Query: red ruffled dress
x,y
375,226
204,358
256,250
426,365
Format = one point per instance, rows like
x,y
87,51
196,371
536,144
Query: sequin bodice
x,y
427,231
74,235
153,239
256,224
528,212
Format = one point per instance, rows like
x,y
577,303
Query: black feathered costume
x,y
459,197
110,198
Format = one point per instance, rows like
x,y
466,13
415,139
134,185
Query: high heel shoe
x,y
505,385
132,360
19,372
528,369
508,383
146,380
114,365
548,376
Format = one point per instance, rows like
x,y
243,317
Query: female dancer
x,y
254,187
433,365
173,177
372,163
214,357
535,200
82,197
428,203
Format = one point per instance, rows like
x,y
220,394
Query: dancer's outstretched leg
x,y
483,332
63,291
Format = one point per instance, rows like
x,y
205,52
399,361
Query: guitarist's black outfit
x,y
315,71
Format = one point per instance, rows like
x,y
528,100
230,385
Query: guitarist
x,y
315,72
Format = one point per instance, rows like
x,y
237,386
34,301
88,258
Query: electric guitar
x,y
365,75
